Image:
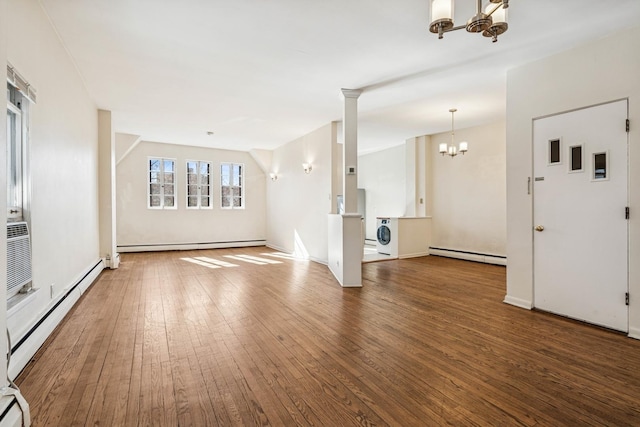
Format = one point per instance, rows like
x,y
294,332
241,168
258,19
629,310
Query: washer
x,y
383,236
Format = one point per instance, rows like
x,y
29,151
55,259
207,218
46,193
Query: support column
x,y
346,242
350,149
107,189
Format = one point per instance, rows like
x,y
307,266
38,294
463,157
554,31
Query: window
x,y
576,158
198,185
162,188
554,151
231,186
17,174
600,166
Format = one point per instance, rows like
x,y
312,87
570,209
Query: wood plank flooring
x,y
212,338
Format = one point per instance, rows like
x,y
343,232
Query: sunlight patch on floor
x,y
255,258
199,262
216,262
238,258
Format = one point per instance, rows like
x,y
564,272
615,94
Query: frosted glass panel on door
x,y
576,158
600,166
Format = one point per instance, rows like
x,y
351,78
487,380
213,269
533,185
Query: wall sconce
x,y
273,176
307,167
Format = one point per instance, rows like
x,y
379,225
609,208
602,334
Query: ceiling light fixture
x,y
273,176
307,167
451,149
491,23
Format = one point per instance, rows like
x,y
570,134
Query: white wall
x,y
139,226
298,203
3,197
469,192
602,71
383,176
64,154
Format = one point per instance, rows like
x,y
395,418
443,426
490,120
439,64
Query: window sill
x,y
19,301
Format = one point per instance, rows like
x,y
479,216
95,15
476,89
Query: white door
x,y
580,195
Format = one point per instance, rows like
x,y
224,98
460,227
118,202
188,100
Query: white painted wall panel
x,y
64,155
469,192
383,176
298,203
602,71
138,226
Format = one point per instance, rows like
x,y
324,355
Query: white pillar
x,y
345,231
107,189
350,150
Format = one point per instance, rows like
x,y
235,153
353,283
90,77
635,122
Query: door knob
x,y
539,228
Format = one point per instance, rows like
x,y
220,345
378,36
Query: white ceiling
x,y
260,73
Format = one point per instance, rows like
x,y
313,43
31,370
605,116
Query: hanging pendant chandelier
x,y
491,22
451,149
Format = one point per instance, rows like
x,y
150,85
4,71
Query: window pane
x,y
237,169
154,201
168,189
155,189
192,167
237,202
13,162
554,151
226,203
168,201
192,190
225,169
600,165
192,201
576,158
204,190
192,178
237,192
225,191
154,165
168,165
168,177
204,179
204,168
204,201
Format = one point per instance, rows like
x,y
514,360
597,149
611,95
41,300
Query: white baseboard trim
x,y
11,413
25,346
469,256
416,255
518,302
634,333
190,246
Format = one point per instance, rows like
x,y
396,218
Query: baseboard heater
x,y
40,321
469,256
190,246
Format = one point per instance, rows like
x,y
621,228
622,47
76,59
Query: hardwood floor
x,y
180,338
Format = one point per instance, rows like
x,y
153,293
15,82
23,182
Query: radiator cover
x,y
18,257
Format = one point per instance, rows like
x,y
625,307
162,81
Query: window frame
x,y
241,185
19,106
162,183
199,185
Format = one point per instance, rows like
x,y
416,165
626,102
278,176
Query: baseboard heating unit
x,y
469,256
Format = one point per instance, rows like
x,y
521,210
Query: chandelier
x,y
491,22
451,149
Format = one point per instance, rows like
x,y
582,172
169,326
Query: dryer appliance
x,y
385,236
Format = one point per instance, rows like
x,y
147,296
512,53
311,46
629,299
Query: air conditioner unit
x,y
18,258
